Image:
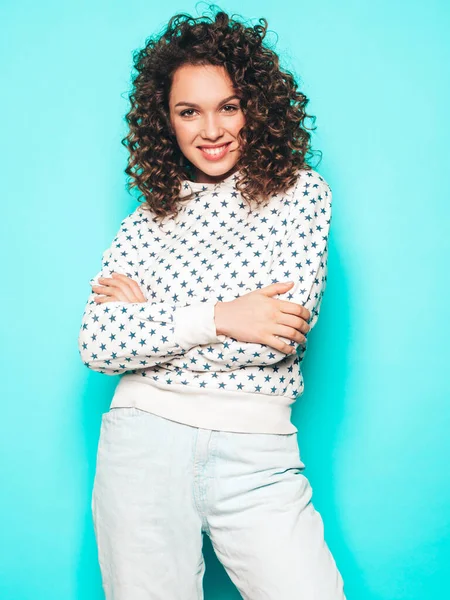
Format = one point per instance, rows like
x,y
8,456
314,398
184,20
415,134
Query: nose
x,y
211,129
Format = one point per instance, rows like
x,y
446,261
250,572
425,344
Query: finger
x,y
105,290
294,308
276,288
279,345
119,284
104,299
117,292
291,333
138,296
293,321
111,292
135,287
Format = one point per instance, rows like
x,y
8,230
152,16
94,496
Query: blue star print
x,y
215,250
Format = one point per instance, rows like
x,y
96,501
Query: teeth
x,y
214,150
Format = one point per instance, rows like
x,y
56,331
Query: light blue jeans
x,y
160,484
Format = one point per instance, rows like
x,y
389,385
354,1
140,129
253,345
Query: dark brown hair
x,y
274,141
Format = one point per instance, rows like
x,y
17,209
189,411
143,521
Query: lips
x,y
214,152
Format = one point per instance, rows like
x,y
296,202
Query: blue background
x,y
374,419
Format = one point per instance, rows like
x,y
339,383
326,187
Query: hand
x,y
118,288
256,317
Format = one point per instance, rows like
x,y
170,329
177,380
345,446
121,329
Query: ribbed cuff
x,y
195,325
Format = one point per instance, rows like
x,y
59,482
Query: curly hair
x,y
274,141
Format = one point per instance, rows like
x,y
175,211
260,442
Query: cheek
x,y
183,132
238,126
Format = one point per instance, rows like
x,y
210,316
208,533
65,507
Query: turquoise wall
x,y
374,419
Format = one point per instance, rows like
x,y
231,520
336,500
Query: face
x,y
206,117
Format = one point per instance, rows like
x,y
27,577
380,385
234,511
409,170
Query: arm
x,y
116,337
301,257
304,254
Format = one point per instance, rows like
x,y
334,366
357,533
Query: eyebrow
x,y
183,103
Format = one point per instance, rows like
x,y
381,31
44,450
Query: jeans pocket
x,y
120,412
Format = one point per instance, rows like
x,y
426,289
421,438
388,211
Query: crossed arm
x,y
302,257
120,336
116,337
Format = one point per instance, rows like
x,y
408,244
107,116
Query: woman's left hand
x,y
118,288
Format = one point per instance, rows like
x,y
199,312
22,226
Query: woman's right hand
x,y
257,317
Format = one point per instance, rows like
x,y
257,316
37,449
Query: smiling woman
x,y
186,308
205,82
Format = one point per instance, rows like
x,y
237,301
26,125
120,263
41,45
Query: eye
x,y
188,110
232,106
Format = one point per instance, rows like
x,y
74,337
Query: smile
x,y
215,153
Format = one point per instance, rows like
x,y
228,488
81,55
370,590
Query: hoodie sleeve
x,y
116,337
303,257
300,257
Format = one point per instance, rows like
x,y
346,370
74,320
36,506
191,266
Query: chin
x,y
214,170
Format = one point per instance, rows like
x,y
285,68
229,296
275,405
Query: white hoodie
x,y
166,349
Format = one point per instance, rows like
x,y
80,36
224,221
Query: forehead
x,y
200,84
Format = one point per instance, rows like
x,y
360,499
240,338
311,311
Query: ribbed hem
x,y
238,412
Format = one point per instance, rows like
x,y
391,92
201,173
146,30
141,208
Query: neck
x,y
201,177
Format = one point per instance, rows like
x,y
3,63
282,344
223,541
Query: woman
x,y
198,438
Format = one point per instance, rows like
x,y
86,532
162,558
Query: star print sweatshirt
x,y
167,351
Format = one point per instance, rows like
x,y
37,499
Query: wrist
x,y
219,318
